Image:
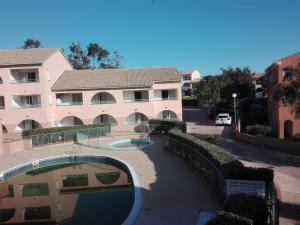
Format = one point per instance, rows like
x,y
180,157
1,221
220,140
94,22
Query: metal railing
x,y
95,102
26,106
69,103
201,163
18,81
64,136
272,203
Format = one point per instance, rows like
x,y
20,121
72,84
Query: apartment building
x,y
39,88
190,79
282,116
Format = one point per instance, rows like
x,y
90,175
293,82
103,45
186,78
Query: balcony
x,y
103,98
69,99
21,76
135,96
26,101
164,95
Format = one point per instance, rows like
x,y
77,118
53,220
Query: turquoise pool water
x,y
73,193
131,143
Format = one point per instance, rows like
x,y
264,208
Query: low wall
x,y
284,146
11,146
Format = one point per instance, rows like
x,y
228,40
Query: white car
x,y
223,119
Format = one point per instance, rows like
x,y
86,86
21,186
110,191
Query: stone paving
x,y
172,192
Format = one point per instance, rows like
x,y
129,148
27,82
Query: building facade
x,y
190,79
282,117
39,88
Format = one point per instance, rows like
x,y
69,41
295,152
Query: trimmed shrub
x,y
297,137
249,206
228,164
221,158
28,133
190,102
163,126
252,173
226,218
213,139
259,129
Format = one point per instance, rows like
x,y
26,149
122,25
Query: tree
x,y
78,58
240,83
94,57
288,92
97,54
31,43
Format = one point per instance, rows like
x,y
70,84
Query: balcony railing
x,y
103,102
69,103
137,100
166,99
25,106
17,81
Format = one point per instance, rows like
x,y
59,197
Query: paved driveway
x,y
286,167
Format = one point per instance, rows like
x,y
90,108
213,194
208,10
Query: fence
x,y
214,175
202,164
70,135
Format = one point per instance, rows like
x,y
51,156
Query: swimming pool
x,y
71,190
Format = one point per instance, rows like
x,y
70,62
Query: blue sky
x,y
187,34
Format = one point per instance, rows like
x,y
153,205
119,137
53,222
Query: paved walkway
x,y
286,167
172,192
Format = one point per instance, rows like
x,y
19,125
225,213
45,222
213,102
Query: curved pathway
x,y
172,192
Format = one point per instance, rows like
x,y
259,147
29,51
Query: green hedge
x,y
163,126
227,163
28,133
221,158
190,102
259,129
226,218
249,206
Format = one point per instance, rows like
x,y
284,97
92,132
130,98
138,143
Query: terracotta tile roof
x,y
114,78
289,56
25,56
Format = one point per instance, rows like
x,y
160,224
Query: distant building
x,y
259,90
281,116
190,79
40,89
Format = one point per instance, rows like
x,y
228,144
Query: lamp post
x,y
234,95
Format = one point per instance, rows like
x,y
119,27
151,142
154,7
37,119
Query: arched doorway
x,y
288,129
167,115
136,118
105,119
4,129
28,125
70,121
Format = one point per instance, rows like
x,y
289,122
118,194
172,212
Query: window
x,y
164,94
1,82
138,95
287,75
31,76
2,102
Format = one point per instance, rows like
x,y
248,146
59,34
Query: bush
x,y
230,167
213,139
221,158
297,137
252,173
249,206
225,218
163,126
29,133
259,129
190,102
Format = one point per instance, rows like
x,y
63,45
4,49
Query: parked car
x,y
223,119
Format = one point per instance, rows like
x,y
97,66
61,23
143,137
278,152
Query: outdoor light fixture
x,y
234,95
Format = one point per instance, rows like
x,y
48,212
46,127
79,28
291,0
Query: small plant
x,y
259,129
249,206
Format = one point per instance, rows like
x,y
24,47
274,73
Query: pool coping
x,y
34,164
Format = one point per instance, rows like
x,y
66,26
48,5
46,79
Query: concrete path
x,y
286,167
172,192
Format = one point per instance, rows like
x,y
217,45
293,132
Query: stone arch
x,y
136,118
103,98
105,119
70,121
28,125
167,115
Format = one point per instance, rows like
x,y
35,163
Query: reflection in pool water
x,y
86,193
